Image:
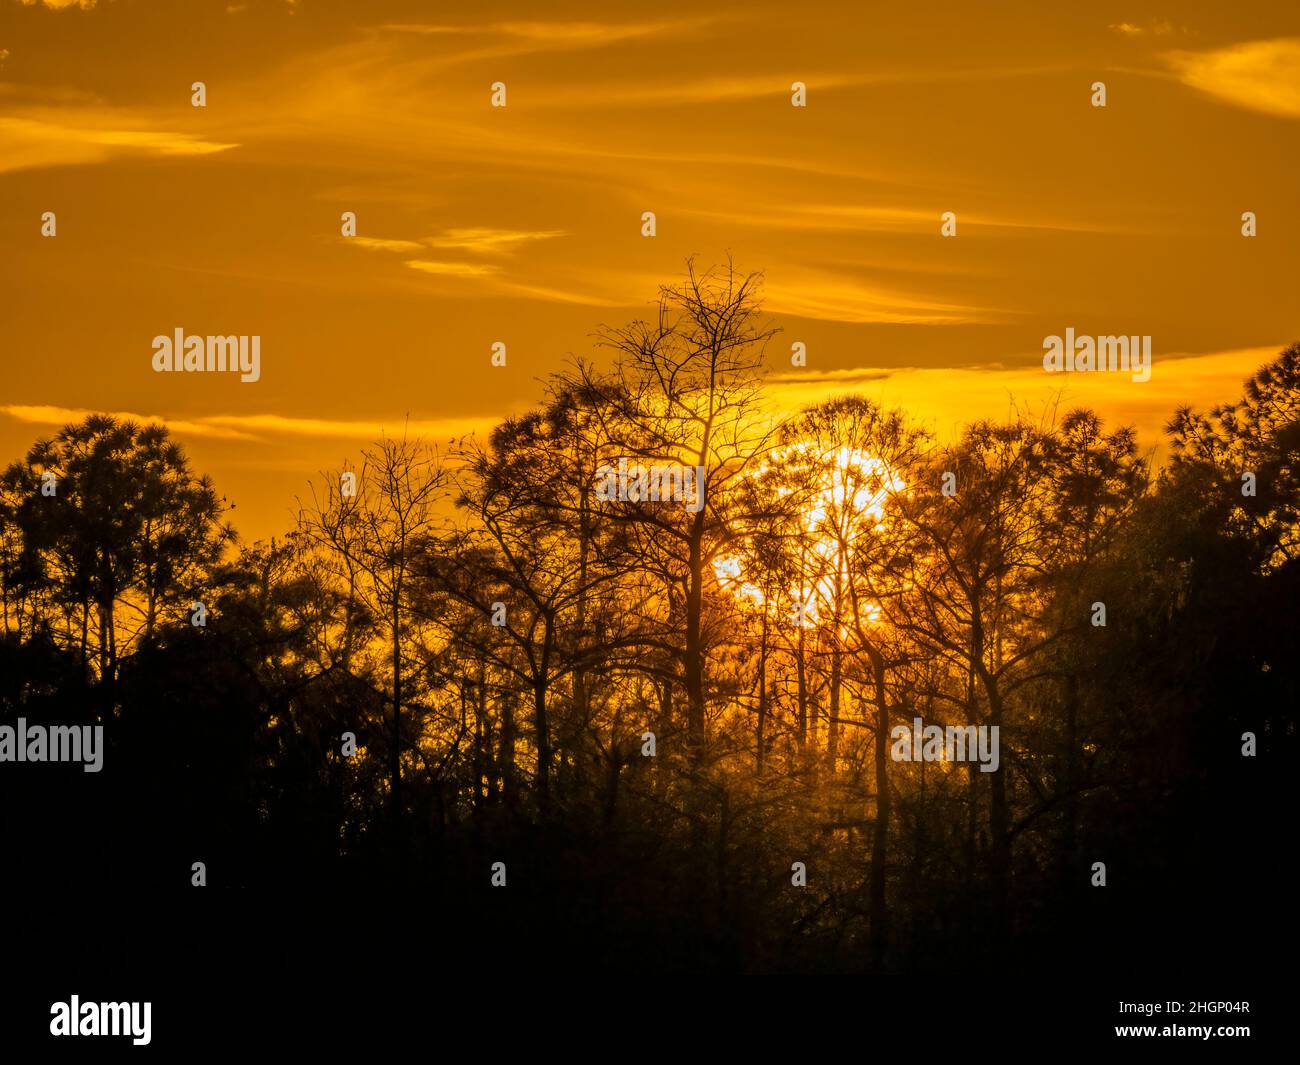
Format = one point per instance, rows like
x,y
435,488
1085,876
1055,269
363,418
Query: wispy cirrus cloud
x,y
382,244
430,266
805,377
59,5
75,138
496,244
490,241
949,397
39,414
818,294
582,290
775,85
841,298
1156,27
1258,75
479,241
553,33
861,218
350,429
254,427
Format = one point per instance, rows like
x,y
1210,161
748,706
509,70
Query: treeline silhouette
x,y
508,648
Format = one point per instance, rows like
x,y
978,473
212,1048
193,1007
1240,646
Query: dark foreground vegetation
x,y
500,642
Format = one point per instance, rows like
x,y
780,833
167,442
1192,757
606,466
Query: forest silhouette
x,y
650,715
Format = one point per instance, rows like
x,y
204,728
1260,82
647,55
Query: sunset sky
x,y
523,224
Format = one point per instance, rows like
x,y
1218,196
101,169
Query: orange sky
x,y
522,224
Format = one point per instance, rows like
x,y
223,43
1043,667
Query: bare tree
x,y
396,513
684,391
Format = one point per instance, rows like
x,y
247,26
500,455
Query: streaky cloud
x,y
1258,75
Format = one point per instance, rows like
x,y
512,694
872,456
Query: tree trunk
x,y
693,661
833,725
999,825
801,673
880,837
541,681
762,696
395,755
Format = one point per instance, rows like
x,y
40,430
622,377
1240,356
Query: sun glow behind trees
x,y
841,494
